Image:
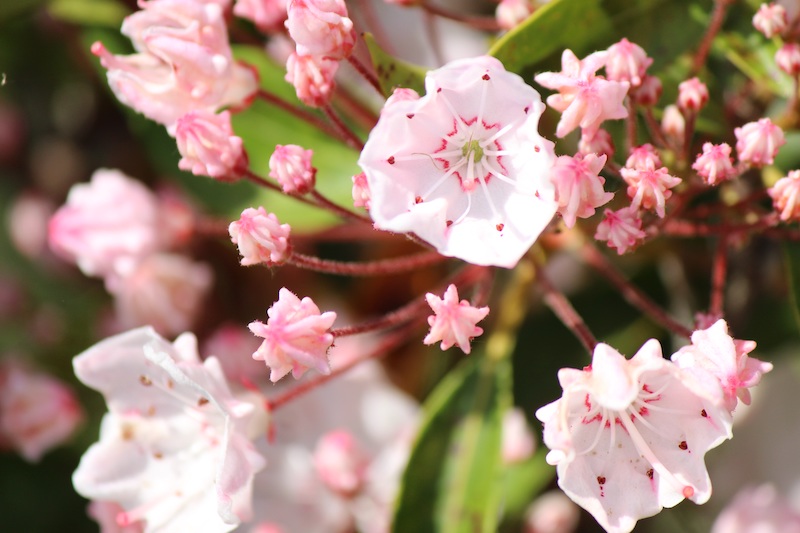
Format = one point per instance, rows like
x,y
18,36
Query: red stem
x,y
718,274
300,113
559,304
365,73
323,201
382,267
717,18
344,131
397,317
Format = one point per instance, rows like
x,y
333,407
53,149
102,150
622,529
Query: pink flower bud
x,y
400,94
341,463
510,13
361,191
785,196
296,337
260,237
627,62
673,124
37,411
648,188
312,78
518,443
622,229
233,346
165,291
579,187
27,220
209,147
770,19
648,93
597,142
692,95
321,28
267,15
643,157
453,321
552,512
291,166
715,164
788,58
757,143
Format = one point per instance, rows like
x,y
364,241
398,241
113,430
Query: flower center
x,y
472,148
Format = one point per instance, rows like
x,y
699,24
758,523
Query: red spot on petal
x,y
439,90
449,223
202,401
601,480
390,160
527,108
144,380
703,413
688,491
410,115
683,445
536,149
650,473
500,227
158,455
418,200
485,77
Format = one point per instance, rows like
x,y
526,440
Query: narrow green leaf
x,y
393,72
522,482
107,13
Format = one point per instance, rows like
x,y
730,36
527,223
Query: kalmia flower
x,y
260,237
628,437
184,62
757,143
715,165
788,58
291,166
340,462
321,28
464,167
579,187
643,157
785,196
361,196
770,19
174,449
312,78
714,355
296,337
208,146
267,15
106,226
583,98
692,95
628,62
453,322
510,13
37,411
649,188
622,229
596,142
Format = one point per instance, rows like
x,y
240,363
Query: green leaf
x,y
89,12
393,72
523,481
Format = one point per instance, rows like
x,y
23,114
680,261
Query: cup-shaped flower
x,y
579,187
464,167
715,165
757,143
208,146
453,322
622,229
321,28
312,78
296,336
628,437
107,226
174,449
37,411
260,237
714,355
584,99
290,165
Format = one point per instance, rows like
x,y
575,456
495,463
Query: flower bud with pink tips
x,y
208,146
628,62
715,165
643,157
648,93
321,28
715,356
584,99
268,15
692,95
785,196
453,322
261,238
788,58
341,463
757,143
621,229
628,436
361,196
290,165
464,167
37,411
296,337
312,78
649,188
579,187
771,19
673,124
597,142
510,13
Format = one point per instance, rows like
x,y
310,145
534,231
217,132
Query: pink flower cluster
x,y
643,425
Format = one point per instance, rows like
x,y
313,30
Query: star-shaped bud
x,y
453,322
261,238
628,437
649,188
296,337
627,61
579,187
785,196
643,157
208,146
290,165
692,95
758,142
771,19
622,229
715,165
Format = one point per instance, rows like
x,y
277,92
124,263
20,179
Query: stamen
x,y
489,200
482,104
449,107
466,211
